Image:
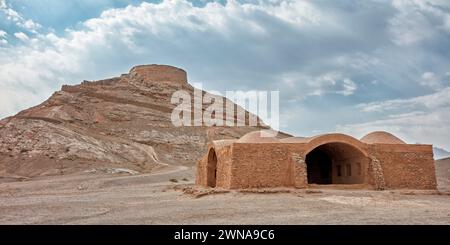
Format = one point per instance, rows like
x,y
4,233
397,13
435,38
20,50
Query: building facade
x,y
379,160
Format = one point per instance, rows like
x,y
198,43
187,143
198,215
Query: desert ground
x,y
166,197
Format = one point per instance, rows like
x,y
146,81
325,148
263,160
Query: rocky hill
x,y
122,122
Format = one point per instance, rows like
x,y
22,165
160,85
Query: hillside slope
x,y
122,122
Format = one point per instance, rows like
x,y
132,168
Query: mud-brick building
x,y
379,160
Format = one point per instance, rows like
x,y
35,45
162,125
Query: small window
x,y
338,170
349,170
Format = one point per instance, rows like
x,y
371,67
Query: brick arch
x,y
211,168
336,159
317,141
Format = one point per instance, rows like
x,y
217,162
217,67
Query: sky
x,y
341,66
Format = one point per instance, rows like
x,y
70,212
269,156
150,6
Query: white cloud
x,y
358,61
349,87
429,79
295,12
418,20
422,119
432,127
3,35
10,13
428,76
21,36
17,18
31,25
328,83
431,101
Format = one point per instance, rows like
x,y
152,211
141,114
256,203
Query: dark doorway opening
x,y
319,164
211,174
336,163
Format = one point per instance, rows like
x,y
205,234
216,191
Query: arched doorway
x,y
318,165
211,173
336,163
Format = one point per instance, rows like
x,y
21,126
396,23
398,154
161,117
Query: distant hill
x,y
440,153
443,174
122,122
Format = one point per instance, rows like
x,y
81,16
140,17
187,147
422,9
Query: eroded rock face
x,y
122,122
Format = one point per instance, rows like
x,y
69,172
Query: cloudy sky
x,y
340,66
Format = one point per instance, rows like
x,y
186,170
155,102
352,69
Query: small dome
x,y
381,137
295,140
264,136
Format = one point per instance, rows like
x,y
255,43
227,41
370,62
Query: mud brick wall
x,y
222,168
299,173
224,161
261,165
200,179
406,166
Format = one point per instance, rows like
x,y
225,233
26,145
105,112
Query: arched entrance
x,y
319,167
336,163
211,168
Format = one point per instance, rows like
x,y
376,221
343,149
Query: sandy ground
x,y
154,199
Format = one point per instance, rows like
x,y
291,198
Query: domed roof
x,y
295,140
259,137
381,137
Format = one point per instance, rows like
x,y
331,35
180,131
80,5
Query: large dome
x,y
259,137
381,137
